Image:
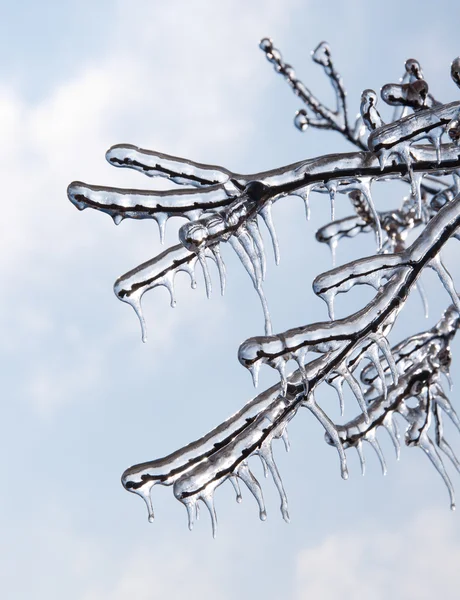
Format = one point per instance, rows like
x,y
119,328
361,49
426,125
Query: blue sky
x,y
84,398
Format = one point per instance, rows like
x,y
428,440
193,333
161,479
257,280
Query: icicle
x,y
304,194
332,189
423,297
414,178
135,302
161,219
446,448
362,460
441,442
244,473
169,285
384,346
285,438
446,279
267,318
337,383
264,464
330,429
208,500
373,441
450,383
144,493
372,354
299,357
266,214
254,232
207,277
248,244
117,218
356,389
254,370
244,258
306,199
365,188
279,364
333,247
267,454
430,450
329,298
191,507
236,486
441,400
220,267
391,426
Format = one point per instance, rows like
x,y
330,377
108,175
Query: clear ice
x,y
418,145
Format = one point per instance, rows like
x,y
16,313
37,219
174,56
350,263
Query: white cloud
x,y
418,560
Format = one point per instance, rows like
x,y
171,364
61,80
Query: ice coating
x,y
147,204
217,214
401,272
157,164
226,207
421,360
321,116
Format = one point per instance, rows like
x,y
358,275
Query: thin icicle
x,y
207,277
330,429
373,441
268,459
266,214
242,254
254,232
236,486
423,298
337,383
384,346
220,267
430,450
332,189
365,188
373,355
390,425
245,474
362,460
285,438
248,244
356,389
208,500
446,279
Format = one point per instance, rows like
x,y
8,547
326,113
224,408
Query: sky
x,y
83,398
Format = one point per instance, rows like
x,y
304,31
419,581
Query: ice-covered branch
x,y
222,206
229,210
202,466
198,469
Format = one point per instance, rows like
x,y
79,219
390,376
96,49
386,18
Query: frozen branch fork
x,y
419,145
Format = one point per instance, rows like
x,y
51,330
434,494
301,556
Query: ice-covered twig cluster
x,y
221,206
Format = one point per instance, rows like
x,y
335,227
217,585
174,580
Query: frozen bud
x,y
455,71
412,94
289,72
274,56
413,68
193,236
255,190
368,98
453,131
322,54
266,44
301,120
369,113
